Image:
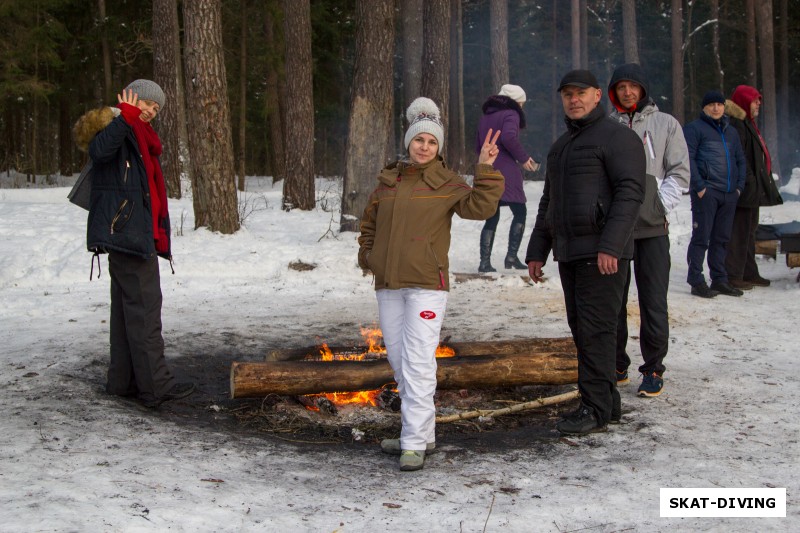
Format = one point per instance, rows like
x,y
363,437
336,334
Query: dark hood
x,y
629,72
497,102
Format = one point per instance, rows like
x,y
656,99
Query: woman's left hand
x,y
489,150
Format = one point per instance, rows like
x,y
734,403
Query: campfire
x,y
385,397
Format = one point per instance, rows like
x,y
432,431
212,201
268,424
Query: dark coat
x,y
715,154
759,187
504,114
120,216
593,189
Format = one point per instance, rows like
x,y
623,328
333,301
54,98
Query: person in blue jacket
x,y
718,171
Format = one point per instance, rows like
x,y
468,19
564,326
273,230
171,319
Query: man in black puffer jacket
x,y
593,189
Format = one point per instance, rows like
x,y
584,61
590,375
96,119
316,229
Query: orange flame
x,y
373,338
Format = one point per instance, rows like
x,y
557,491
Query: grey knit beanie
x,y
147,90
423,115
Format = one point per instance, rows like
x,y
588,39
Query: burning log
x,y
257,379
520,346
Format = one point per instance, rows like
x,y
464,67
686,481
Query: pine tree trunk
x,y
298,186
242,97
436,56
630,36
750,43
498,38
214,186
576,33
166,72
766,47
412,52
719,74
456,151
584,12
677,60
108,90
274,110
371,108
783,91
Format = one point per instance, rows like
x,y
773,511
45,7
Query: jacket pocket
x,y
598,216
652,212
122,216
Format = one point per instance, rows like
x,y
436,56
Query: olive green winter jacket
x,y
405,229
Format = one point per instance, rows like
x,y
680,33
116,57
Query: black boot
x,y
514,239
487,240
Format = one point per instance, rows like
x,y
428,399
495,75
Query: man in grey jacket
x,y
667,177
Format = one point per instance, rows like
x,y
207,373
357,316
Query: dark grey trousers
x,y
137,366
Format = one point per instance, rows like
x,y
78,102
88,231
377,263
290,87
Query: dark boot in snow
x,y
514,240
487,241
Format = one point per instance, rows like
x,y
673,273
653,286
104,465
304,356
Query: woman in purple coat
x,y
503,112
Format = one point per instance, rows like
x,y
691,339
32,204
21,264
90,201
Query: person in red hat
x,y
759,189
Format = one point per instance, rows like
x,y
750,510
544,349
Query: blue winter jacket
x,y
715,155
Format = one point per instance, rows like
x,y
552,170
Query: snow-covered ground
x,y
74,459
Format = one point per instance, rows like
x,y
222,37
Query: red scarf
x,y
150,147
743,96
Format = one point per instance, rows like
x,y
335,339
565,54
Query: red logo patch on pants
x,y
427,315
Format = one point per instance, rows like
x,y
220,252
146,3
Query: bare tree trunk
x,y
576,34
629,35
677,60
242,96
719,73
371,107
752,60
457,158
498,38
555,108
766,47
412,50
273,93
436,55
783,92
108,90
210,144
584,12
167,73
298,187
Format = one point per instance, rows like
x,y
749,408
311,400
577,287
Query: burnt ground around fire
x,y
207,362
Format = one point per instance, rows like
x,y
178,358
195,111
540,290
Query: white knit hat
x,y
424,117
148,90
514,92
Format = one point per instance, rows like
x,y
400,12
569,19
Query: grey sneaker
x,y
411,460
392,446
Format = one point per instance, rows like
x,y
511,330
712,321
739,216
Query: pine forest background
x,y
303,88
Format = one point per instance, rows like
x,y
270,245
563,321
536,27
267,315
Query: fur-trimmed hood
x,y
91,123
733,110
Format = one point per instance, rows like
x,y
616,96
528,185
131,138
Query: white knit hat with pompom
x,y
424,117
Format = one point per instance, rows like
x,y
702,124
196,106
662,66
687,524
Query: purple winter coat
x,y
504,114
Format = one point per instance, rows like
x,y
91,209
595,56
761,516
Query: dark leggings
x,y
519,211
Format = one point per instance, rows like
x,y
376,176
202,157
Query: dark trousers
x,y
740,262
137,366
712,221
651,264
593,301
518,211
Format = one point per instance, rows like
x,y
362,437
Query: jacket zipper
x,y
119,213
125,176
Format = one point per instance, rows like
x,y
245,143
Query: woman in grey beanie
x,y
129,221
404,241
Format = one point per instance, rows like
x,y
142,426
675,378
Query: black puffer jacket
x,y
759,187
593,189
120,216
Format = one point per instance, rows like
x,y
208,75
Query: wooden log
x,y
769,248
516,346
257,379
793,260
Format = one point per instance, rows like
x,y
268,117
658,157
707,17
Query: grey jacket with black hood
x,y
665,151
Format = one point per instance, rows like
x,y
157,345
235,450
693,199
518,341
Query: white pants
x,y
411,320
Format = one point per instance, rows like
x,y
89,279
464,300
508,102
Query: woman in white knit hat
x,y
129,220
404,241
